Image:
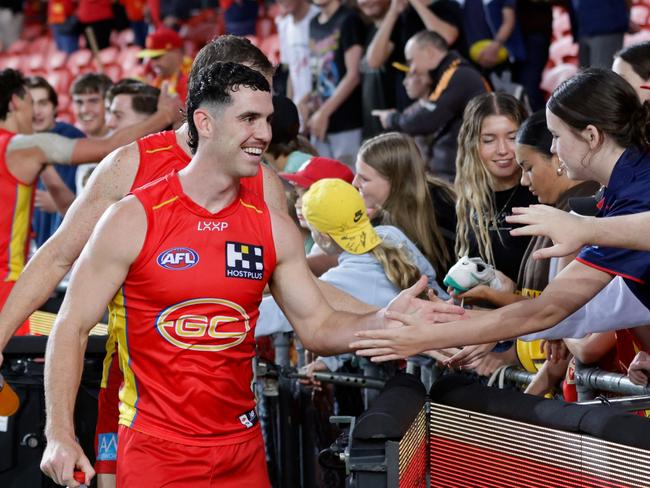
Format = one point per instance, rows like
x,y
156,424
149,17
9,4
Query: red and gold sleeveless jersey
x,y
17,200
186,314
160,154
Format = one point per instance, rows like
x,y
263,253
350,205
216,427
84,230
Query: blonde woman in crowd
x,y
488,182
397,191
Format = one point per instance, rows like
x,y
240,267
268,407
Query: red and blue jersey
x,y
17,199
186,314
627,193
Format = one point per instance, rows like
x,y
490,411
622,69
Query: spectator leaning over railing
x,y
488,182
397,191
605,138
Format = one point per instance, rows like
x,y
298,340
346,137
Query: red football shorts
x,y
149,461
108,415
5,289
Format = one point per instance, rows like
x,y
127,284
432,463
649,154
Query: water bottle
x,y
9,402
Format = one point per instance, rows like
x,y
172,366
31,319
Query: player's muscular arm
x,y
273,191
320,328
109,183
102,268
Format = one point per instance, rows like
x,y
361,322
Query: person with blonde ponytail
x,y
397,191
488,182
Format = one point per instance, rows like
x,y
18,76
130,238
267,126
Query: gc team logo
x,y
178,258
188,326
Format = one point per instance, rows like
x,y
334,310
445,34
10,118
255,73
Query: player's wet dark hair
x,y
213,86
12,83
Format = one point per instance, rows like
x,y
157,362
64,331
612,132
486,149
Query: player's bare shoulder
x,y
286,237
116,173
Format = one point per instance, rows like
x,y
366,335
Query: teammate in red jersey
x,y
23,155
190,299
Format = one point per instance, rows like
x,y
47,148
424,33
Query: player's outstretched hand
x,y
433,310
60,459
391,344
567,231
469,354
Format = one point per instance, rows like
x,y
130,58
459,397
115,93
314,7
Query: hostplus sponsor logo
x,y
244,261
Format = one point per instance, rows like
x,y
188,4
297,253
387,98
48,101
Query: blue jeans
x,y
65,42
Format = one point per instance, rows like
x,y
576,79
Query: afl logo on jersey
x,y
204,324
178,258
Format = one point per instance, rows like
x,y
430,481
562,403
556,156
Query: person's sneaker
x,y
470,272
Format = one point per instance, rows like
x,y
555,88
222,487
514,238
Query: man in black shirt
x,y
404,19
441,82
333,109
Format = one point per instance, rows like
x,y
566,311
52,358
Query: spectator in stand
x,y
60,178
293,32
135,12
64,25
129,102
442,83
333,109
494,21
396,190
88,104
174,12
545,177
164,49
633,64
240,17
11,22
377,84
536,21
403,20
599,31
488,182
98,16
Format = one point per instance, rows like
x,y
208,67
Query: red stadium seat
x,y
127,58
109,55
556,75
33,64
642,36
60,80
12,61
64,102
81,61
113,71
40,45
124,38
639,14
563,50
20,46
56,60
31,32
